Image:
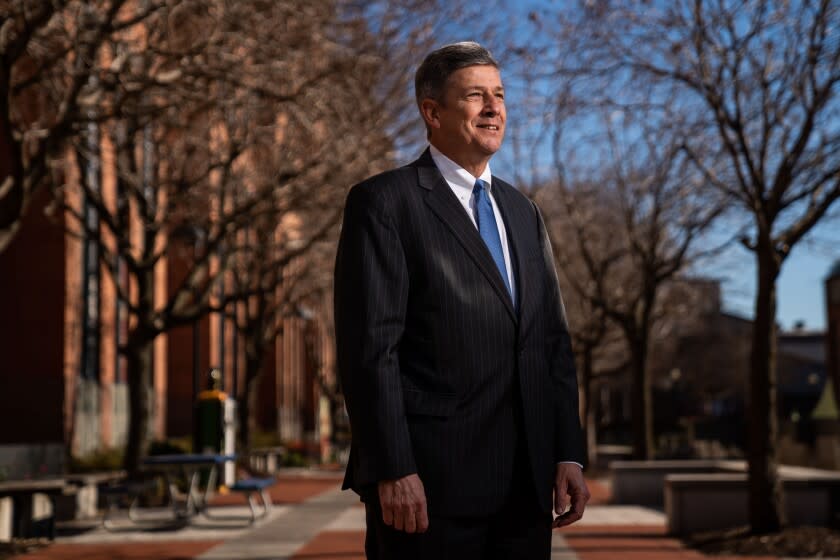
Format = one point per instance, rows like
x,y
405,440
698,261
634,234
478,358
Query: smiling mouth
x,y
488,126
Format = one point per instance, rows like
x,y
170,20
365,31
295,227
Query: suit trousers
x,y
519,531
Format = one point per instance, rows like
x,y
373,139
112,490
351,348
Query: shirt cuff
x,y
570,462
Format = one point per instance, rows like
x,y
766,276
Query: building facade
x,y
699,368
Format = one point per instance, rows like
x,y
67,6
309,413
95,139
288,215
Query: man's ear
x,y
429,109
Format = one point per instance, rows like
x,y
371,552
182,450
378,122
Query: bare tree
x,y
592,331
754,87
230,115
293,262
629,220
279,286
49,53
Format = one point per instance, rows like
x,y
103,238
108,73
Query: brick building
x,y
64,380
64,385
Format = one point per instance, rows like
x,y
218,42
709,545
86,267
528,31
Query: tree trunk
x,y
765,491
247,421
641,406
586,409
138,354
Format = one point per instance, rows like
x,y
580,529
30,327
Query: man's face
x,y
471,116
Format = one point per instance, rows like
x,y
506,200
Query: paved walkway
x,y
316,521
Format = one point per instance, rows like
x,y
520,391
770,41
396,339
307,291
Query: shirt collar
x,y
456,175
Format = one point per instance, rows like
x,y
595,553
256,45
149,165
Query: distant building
x,y
832,298
801,364
699,367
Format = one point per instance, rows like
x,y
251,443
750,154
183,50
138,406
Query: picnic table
x,y
169,467
190,465
197,502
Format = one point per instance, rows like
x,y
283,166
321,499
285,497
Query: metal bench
x,y
29,512
251,487
130,492
81,498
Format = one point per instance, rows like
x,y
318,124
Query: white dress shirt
x,y
462,183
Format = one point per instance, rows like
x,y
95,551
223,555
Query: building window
x,y
91,277
120,324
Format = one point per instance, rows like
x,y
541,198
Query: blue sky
x,y
801,291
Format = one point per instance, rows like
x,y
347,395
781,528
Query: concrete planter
x,y
706,502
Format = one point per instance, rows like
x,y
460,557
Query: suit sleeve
x,y
371,290
568,444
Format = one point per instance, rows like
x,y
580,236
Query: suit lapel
x,y
448,209
516,242
515,214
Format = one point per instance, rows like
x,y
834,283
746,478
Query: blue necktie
x,y
487,228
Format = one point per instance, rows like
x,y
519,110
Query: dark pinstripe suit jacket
x,y
442,375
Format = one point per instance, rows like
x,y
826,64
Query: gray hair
x,y
430,79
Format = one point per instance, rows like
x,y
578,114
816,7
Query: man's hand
x,y
403,504
569,484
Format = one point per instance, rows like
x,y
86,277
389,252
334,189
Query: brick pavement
x,y
334,545
318,522
289,489
121,551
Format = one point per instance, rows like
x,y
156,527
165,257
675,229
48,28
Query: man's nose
x,y
492,104
492,107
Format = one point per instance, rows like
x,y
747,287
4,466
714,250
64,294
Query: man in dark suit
x,y
453,348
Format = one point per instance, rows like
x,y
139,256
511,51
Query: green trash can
x,y
209,416
210,421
